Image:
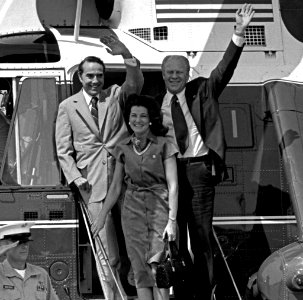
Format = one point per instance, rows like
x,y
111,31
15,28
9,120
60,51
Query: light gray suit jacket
x,y
85,150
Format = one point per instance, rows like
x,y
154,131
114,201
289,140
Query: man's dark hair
x,y
153,109
90,59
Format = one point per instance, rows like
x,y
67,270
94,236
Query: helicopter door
x,y
30,152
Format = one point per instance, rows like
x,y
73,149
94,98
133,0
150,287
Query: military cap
x,y
16,232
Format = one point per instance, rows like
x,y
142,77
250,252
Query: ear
x,y
80,78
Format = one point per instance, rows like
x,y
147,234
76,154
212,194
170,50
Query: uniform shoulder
x,y
37,269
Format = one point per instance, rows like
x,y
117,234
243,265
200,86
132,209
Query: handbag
x,y
171,269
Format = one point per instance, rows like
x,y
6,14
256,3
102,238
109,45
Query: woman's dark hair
x,y
153,109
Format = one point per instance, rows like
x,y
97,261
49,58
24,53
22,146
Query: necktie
x,y
180,126
94,110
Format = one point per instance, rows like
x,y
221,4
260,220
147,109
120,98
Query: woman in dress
x,y
146,161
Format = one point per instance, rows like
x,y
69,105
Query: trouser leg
x,y
200,227
184,290
107,236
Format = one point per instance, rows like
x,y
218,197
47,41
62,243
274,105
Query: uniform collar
x,y
9,271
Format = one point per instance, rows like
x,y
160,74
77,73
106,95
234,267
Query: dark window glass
x,y
160,33
34,47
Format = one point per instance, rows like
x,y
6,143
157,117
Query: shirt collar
x,y
88,97
169,95
10,272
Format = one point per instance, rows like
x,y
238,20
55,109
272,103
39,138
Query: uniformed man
x,y
18,278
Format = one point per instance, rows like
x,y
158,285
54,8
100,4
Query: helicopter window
x,y
30,215
255,36
237,125
56,215
6,110
34,47
6,99
160,33
143,33
31,155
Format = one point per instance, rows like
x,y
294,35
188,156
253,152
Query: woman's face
x,y
139,120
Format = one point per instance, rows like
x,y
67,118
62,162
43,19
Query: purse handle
x,y
173,252
171,247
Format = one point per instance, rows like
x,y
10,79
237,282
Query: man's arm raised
x,y
134,77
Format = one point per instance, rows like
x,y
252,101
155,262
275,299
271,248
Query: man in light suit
x,y
202,149
85,142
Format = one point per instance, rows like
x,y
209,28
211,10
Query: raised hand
x,y
243,17
115,46
4,248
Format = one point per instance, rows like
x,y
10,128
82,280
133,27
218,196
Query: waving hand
x,y
243,17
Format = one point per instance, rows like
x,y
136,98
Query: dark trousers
x,y
195,211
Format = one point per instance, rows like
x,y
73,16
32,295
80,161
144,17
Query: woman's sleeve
x,y
169,149
119,154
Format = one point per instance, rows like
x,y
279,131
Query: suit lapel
x,y
84,113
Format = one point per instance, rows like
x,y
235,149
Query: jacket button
x,y
104,162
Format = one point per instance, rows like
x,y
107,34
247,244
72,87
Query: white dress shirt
x,y
88,99
196,147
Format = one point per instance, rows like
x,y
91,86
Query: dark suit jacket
x,y
202,99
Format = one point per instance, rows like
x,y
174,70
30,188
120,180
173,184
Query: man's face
x,y
92,78
175,74
19,253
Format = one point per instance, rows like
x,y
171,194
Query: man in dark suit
x,y
199,134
